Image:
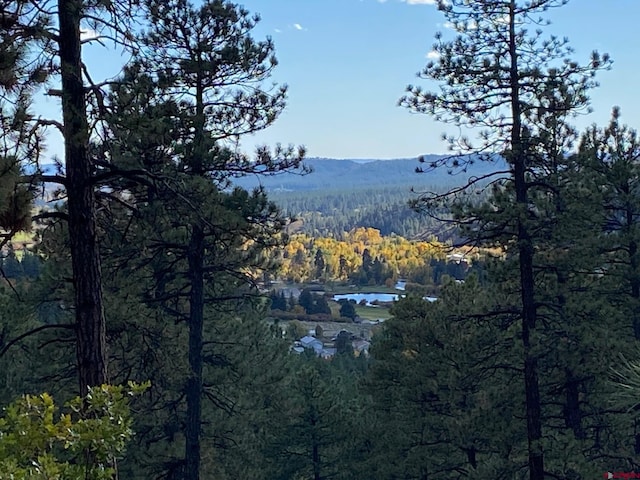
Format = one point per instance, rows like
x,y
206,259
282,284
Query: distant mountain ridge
x,y
330,174
360,173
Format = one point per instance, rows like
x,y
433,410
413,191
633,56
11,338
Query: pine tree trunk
x,y
85,256
572,413
315,451
195,383
635,280
525,257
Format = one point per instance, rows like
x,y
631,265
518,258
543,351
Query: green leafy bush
x,y
37,443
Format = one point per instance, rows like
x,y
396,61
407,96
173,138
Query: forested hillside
x,y
186,311
340,195
331,212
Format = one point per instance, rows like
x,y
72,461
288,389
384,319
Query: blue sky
x,y
347,62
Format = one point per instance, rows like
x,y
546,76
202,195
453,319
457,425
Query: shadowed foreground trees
x,y
201,241
448,391
445,388
504,378
164,148
519,89
609,168
41,44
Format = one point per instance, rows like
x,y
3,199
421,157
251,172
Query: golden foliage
x,y
398,253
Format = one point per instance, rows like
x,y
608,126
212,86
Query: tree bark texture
x,y
85,255
195,382
525,258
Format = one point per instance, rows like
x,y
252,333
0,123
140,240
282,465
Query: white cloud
x,y
433,55
382,1
87,34
421,2
297,26
471,25
277,30
504,19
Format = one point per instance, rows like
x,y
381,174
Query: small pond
x,y
369,297
372,297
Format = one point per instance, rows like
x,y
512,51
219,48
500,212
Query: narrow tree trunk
x,y
525,257
85,256
195,382
533,412
316,463
572,412
634,277
315,451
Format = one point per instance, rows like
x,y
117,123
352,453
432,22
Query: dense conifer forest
x,y
332,212
182,310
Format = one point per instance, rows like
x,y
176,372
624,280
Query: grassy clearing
x,y
367,313
373,313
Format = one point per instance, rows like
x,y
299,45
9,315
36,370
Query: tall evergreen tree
x,y
510,82
444,389
610,164
41,40
306,300
200,65
319,263
312,437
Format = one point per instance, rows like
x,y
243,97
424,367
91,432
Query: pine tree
x,y
203,240
312,436
41,41
306,300
445,385
319,263
519,88
609,162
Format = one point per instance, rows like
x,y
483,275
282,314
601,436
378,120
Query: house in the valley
x,y
313,343
360,347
